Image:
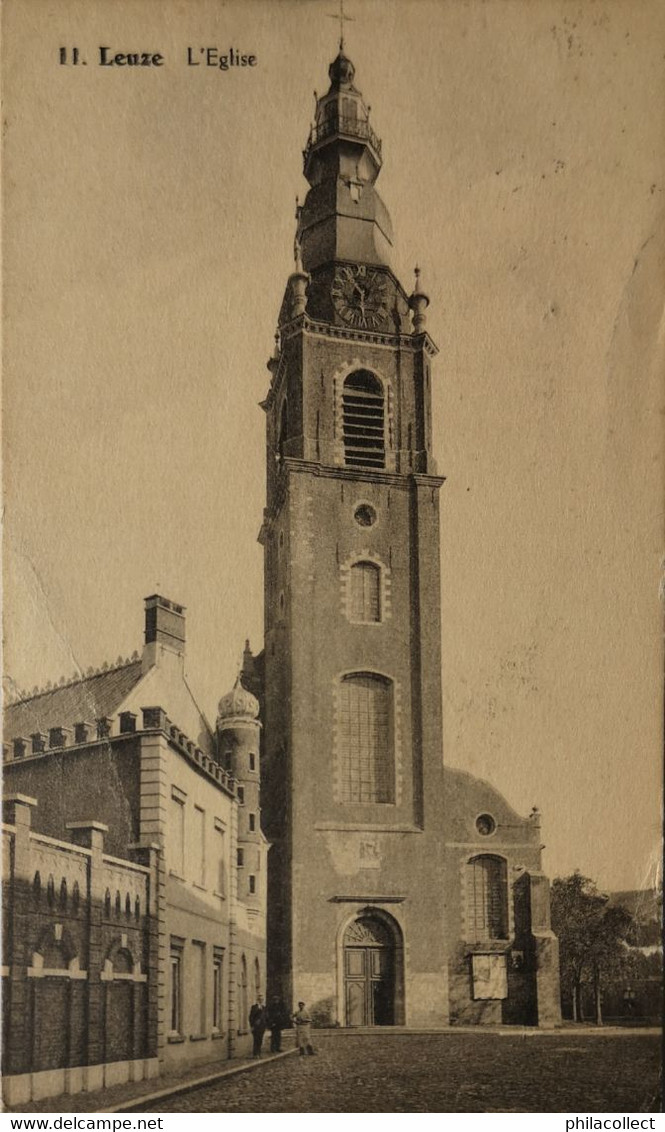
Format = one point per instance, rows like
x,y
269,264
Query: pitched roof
x,y
88,699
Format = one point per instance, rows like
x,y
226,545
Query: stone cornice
x,y
349,475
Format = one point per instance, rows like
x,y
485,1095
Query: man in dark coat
x,y
257,1024
276,1020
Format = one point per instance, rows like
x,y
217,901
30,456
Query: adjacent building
x,y
135,882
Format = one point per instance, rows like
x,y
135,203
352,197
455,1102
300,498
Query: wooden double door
x,y
369,975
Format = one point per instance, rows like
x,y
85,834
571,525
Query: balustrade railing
x,y
343,124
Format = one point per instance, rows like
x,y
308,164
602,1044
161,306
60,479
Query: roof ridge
x,y
24,697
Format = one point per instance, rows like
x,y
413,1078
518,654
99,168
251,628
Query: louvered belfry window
x,y
487,898
365,592
363,412
367,772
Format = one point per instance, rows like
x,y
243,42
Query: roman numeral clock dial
x,y
360,296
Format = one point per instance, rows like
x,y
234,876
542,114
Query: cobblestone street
x,y
446,1073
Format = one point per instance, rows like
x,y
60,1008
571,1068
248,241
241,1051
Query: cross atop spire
x,y
343,18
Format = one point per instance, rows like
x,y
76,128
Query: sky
x,y
149,223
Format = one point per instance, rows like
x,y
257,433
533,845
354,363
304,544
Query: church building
x,y
400,892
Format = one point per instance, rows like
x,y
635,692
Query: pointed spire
x,y
297,255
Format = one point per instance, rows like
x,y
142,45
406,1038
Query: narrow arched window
x,y
487,898
283,429
363,415
118,904
365,738
243,1004
63,893
365,583
107,902
128,906
37,886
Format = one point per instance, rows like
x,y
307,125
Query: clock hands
x,y
360,296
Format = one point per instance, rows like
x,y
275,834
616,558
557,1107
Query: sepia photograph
x,y
333,542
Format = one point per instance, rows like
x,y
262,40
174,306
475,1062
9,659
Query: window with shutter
x,y
363,414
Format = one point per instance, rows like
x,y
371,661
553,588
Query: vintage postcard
x,y
333,467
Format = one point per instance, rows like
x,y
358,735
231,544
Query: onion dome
x,y
238,704
341,71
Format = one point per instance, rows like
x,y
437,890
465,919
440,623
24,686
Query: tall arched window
x,y
365,582
283,429
257,978
365,738
363,413
487,898
243,1005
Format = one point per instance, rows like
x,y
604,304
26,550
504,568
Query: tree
x,y
592,938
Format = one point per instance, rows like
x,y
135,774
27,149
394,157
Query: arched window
x,y
283,429
365,738
365,583
63,893
123,964
363,413
37,886
107,902
487,898
257,978
128,906
243,1005
118,903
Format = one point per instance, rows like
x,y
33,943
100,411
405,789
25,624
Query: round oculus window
x,y
485,824
365,515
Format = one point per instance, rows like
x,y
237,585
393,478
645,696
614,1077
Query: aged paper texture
x,y
148,230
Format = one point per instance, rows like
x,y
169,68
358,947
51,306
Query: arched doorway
x,y
370,972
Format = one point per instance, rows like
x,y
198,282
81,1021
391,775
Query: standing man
x,y
303,1023
257,1024
276,1020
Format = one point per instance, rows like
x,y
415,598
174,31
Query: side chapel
x,y
400,892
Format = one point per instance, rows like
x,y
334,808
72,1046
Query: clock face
x,y
360,296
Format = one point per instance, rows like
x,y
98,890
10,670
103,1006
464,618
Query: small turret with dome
x,y
238,739
237,704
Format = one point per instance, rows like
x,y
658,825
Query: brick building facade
x,y
136,874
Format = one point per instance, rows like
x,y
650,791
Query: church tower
x,y
353,798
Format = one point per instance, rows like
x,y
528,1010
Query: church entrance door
x,y
369,973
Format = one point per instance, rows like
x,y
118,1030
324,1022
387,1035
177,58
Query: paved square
x,y
448,1072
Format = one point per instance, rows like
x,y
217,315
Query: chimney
x,y
164,629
